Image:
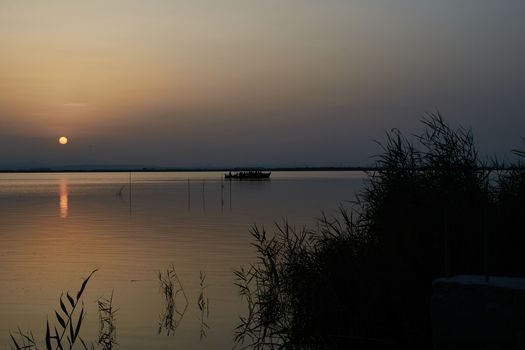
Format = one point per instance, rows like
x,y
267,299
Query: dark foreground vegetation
x,y
63,328
364,278
66,332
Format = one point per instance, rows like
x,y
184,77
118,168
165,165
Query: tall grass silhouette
x,y
107,336
171,287
363,277
203,303
66,333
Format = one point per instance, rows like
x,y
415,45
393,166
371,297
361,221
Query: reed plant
x,y
363,277
171,287
66,333
203,303
268,287
107,336
510,200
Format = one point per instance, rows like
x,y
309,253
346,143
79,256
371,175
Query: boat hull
x,y
248,175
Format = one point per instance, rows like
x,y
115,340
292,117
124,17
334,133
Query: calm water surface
x,y
56,228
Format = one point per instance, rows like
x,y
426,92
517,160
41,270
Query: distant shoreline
x,y
166,170
182,170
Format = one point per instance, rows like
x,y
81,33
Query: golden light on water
x,y
63,204
62,140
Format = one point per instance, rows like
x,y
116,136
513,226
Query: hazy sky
x,y
273,82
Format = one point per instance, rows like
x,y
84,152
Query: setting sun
x,y
62,140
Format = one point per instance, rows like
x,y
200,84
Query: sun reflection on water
x,y
63,204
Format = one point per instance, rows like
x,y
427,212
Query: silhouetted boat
x,y
248,175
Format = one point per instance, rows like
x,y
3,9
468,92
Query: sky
x,y
210,83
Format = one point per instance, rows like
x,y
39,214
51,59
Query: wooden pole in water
x,y
230,195
189,205
203,198
130,193
222,194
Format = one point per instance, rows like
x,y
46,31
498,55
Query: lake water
x,y
55,228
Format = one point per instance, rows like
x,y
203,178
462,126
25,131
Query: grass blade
x,y
48,337
63,307
14,341
57,337
79,294
77,330
71,333
60,320
83,344
70,298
